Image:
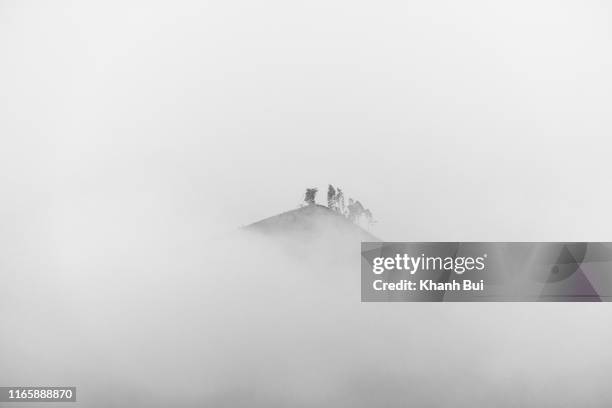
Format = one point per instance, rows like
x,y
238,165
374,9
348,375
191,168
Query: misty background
x,y
136,137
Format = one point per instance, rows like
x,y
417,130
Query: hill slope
x,y
310,222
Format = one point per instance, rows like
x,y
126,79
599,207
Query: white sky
x,y
451,120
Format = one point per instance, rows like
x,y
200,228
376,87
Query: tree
x,y
309,196
355,211
331,198
340,207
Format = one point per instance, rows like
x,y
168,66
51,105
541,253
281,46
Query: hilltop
x,y
311,222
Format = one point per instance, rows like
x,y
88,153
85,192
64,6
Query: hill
x,y
310,222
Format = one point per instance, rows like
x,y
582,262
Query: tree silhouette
x,y
355,210
340,207
309,196
331,197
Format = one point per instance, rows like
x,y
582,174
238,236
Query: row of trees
x,y
354,210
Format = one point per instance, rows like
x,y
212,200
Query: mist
x,y
136,138
249,320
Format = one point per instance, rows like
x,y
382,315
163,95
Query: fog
x,y
137,137
243,320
